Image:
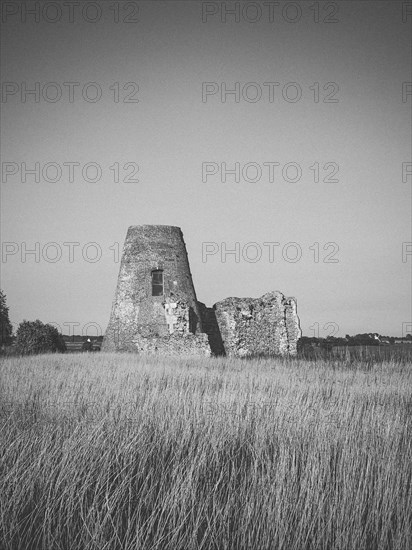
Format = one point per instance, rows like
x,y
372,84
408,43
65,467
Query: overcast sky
x,y
310,152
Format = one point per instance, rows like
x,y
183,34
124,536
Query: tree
x,y
6,329
35,337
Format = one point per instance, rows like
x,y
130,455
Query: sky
x,y
243,123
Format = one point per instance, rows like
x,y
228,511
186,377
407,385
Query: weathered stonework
x,y
174,345
138,313
264,326
155,309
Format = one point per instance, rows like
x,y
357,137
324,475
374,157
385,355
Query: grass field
x,y
102,451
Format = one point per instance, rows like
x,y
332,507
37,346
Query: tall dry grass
x,y
106,451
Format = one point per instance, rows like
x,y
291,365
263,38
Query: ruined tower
x,y
155,307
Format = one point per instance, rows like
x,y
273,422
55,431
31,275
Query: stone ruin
x,y
155,309
263,326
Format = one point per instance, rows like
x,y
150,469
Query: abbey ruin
x,y
155,309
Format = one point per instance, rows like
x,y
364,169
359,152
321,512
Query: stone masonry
x,y
264,326
155,309
155,306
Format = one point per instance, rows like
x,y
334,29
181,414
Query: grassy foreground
x,y
101,451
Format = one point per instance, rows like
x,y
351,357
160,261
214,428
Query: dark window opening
x,y
157,282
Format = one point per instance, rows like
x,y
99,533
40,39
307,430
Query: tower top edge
x,y
147,226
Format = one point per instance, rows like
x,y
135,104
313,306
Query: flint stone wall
x,y
179,345
175,323
264,326
135,312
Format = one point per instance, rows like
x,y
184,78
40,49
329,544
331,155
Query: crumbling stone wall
x,y
172,321
292,323
192,345
180,318
264,326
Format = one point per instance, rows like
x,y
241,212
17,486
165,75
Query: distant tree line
x,y
366,339
82,338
